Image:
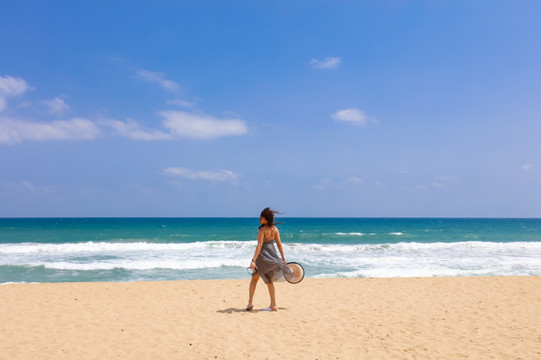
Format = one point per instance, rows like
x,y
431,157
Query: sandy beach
x,y
397,318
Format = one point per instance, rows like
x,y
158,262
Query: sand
x,y
407,318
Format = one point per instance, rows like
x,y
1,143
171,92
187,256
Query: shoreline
x,y
279,282
401,318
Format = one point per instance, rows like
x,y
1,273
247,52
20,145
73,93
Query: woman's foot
x,y
270,309
249,307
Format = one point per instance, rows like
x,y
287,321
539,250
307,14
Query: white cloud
x,y
158,78
201,126
10,86
14,131
528,167
438,185
131,129
327,63
440,182
323,184
355,180
446,178
182,103
176,184
221,175
24,105
56,106
175,124
353,116
28,185
12,187
13,86
179,124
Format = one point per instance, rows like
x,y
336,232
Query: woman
x,y
266,263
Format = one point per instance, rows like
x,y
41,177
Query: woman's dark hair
x,y
268,214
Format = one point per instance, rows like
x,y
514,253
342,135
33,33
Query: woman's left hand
x,y
253,266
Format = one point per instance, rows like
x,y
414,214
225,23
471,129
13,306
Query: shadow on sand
x,y
235,310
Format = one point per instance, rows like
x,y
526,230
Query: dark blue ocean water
x,y
129,249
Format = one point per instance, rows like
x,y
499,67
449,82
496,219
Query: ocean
x,y
37,250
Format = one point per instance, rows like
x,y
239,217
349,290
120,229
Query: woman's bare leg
x,y
251,292
272,294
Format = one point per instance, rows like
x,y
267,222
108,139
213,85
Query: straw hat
x,y
297,275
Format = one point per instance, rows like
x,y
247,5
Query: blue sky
x,y
316,108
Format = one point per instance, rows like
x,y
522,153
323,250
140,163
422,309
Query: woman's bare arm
x,y
257,249
279,244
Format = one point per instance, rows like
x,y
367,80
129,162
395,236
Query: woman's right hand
x,y
253,266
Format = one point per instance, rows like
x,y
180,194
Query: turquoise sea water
x,y
130,249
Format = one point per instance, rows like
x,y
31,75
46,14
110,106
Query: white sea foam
x,y
104,247
469,258
141,265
